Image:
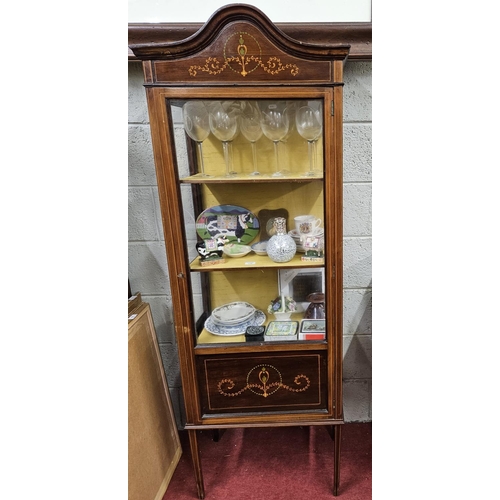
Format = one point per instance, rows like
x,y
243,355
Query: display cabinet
x,y
246,126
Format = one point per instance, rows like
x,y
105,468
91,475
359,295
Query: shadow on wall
x,y
357,365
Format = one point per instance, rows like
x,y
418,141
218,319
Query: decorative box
x,y
282,330
312,329
255,333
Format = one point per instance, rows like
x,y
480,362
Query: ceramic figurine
x,y
314,249
211,251
282,307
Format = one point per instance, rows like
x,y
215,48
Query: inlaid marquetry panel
x,y
241,53
263,383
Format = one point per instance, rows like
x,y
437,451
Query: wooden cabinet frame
x,y
281,68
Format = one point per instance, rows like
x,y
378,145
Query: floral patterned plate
x,y
233,313
258,319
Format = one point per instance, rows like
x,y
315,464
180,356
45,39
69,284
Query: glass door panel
x,y
250,174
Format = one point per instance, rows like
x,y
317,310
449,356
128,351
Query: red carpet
x,y
286,463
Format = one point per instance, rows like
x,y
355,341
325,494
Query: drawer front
x,y
277,382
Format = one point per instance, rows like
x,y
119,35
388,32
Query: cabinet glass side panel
x,y
251,182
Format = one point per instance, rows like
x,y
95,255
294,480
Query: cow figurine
x,y
211,250
314,249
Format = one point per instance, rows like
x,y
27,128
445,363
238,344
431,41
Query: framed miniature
x,y
299,283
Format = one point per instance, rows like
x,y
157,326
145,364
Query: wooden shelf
x,y
252,260
240,179
209,338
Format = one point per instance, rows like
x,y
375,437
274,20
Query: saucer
x,y
296,235
260,247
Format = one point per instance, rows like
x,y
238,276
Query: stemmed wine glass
x,y
251,129
309,126
290,112
275,125
224,125
197,126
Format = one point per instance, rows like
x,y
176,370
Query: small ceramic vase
x,y
281,247
316,309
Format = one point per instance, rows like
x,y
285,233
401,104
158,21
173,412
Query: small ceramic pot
x,y
282,316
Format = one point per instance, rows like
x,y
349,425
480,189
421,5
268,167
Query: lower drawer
x,y
260,383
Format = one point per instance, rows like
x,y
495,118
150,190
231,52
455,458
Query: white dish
x,y
260,247
236,250
258,319
233,313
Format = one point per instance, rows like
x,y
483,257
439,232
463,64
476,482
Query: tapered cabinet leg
x,y
331,431
195,454
217,434
336,464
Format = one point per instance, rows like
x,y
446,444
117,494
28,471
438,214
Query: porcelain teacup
x,y
307,224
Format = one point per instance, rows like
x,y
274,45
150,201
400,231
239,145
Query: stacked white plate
x,y
296,237
234,318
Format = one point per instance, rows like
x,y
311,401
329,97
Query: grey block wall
x,y
147,268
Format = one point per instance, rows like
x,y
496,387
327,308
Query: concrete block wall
x,y
148,272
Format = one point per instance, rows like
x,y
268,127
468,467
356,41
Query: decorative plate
x,y
237,224
258,319
236,250
233,313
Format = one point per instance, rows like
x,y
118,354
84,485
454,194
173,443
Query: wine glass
x,y
251,129
309,126
197,126
284,155
275,123
224,125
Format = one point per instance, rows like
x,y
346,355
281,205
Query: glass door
x,y
250,175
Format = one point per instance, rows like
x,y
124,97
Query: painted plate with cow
x,y
236,224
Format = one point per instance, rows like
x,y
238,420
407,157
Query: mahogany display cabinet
x,y
246,127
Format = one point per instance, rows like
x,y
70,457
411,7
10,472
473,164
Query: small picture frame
x,y
299,283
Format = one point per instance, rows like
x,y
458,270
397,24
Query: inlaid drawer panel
x,y
276,382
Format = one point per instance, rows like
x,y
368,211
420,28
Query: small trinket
x,y
282,307
282,330
254,333
211,251
314,247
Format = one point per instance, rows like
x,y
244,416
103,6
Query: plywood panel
x,y
297,198
154,446
293,155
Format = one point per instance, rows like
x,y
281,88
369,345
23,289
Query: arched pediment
x,y
238,44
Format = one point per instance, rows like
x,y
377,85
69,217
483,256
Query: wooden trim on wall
x,y
358,35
